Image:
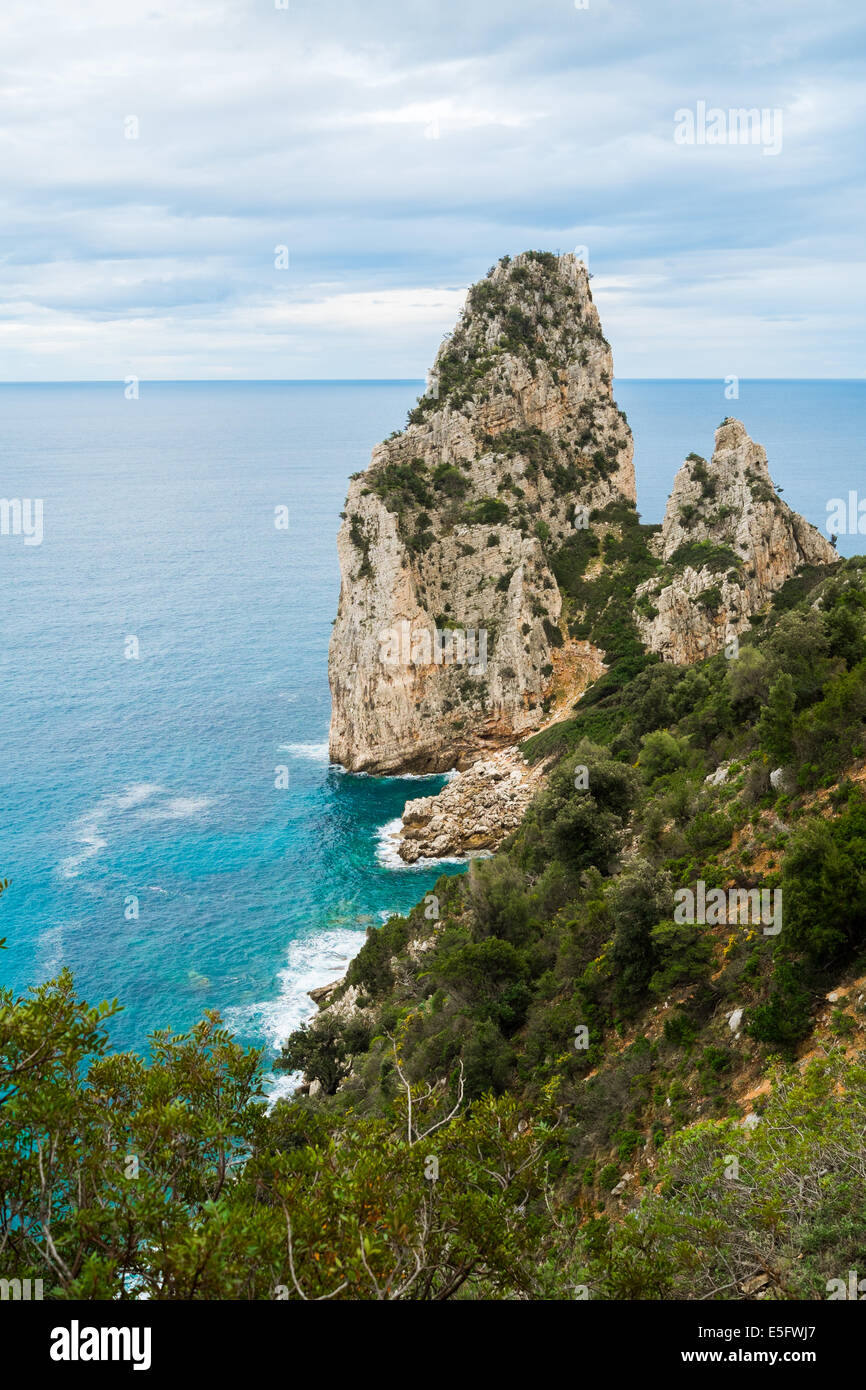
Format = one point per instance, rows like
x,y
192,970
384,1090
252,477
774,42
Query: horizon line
x,y
374,380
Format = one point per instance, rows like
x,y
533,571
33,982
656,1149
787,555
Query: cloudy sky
x,y
154,157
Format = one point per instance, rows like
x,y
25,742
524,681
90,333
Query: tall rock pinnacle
x,y
447,640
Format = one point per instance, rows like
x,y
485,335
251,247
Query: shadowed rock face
x,y
728,542
449,528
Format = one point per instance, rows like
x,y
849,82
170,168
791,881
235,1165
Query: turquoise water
x,y
153,778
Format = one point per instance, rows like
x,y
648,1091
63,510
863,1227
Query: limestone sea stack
x,y
728,542
449,616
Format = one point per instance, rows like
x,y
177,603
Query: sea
x,y
170,825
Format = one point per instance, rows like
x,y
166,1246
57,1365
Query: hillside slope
x,y
565,967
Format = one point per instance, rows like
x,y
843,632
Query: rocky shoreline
x,y
474,812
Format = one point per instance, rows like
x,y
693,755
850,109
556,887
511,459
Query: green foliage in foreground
x,y
783,1205
167,1179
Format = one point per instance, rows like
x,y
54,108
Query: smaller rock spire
x,y
728,542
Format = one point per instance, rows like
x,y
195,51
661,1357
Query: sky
x,y
245,189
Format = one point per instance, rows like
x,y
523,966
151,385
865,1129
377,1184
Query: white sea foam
x,y
404,776
52,955
177,808
387,840
90,830
388,854
311,961
422,776
310,752
87,829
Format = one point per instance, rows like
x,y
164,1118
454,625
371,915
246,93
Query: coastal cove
x,y
147,844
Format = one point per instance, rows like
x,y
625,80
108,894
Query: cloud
x,y
397,152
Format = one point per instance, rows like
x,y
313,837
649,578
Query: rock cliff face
x,y
728,542
449,615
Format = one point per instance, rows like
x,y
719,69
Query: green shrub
x,y
486,511
680,1030
682,953
785,1018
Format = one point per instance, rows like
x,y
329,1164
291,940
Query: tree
x,y
166,1179
106,1161
662,753
776,723
782,1202
824,884
748,678
580,817
323,1049
798,646
785,1017
640,898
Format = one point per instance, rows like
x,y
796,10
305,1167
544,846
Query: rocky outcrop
x,y
728,542
479,808
449,614
474,812
323,993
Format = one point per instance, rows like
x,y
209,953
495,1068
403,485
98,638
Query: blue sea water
x,y
153,778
